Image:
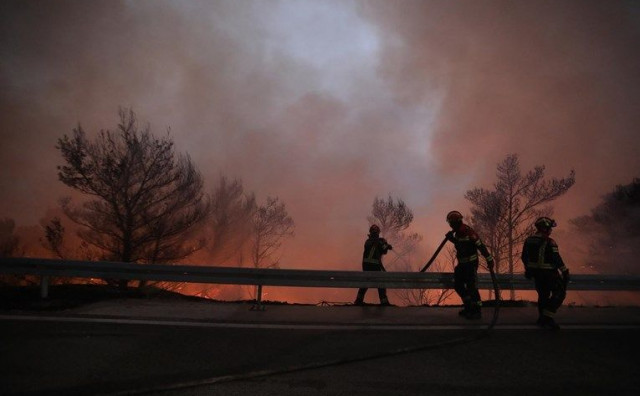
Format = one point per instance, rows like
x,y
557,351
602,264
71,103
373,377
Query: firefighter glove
x,y
449,236
490,263
389,247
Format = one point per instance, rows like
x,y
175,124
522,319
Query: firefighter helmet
x,y
374,229
454,216
545,223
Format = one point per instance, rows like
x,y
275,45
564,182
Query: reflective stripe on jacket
x,y
374,248
540,251
467,244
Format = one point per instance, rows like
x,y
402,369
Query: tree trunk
x,y
510,230
512,292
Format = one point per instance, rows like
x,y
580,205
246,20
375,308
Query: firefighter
x,y
543,263
467,244
374,248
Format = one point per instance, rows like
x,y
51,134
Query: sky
x,y
328,104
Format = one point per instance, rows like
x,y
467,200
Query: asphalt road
x,y
86,353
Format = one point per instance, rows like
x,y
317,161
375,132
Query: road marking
x,y
305,326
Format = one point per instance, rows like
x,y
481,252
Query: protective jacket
x,y
541,252
467,244
374,248
465,276
542,262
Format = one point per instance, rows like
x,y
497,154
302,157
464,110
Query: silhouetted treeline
x,y
612,231
143,202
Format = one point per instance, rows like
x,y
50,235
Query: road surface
x,y
184,348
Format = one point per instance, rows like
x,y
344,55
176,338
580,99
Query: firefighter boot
x,y
359,298
540,321
466,310
474,312
549,323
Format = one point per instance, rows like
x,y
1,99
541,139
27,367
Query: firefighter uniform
x,y
543,263
374,248
467,244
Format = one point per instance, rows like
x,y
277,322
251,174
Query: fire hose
x,y
494,281
332,362
432,259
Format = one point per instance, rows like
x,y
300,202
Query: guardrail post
x,y
258,304
44,286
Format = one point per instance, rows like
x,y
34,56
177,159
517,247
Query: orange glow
x,y
327,105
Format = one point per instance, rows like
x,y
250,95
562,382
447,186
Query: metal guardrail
x,y
260,277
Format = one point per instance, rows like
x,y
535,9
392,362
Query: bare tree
x,y
271,224
230,224
54,237
612,230
393,216
145,197
503,216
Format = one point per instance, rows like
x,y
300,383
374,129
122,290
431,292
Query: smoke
x,y
328,104
554,82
